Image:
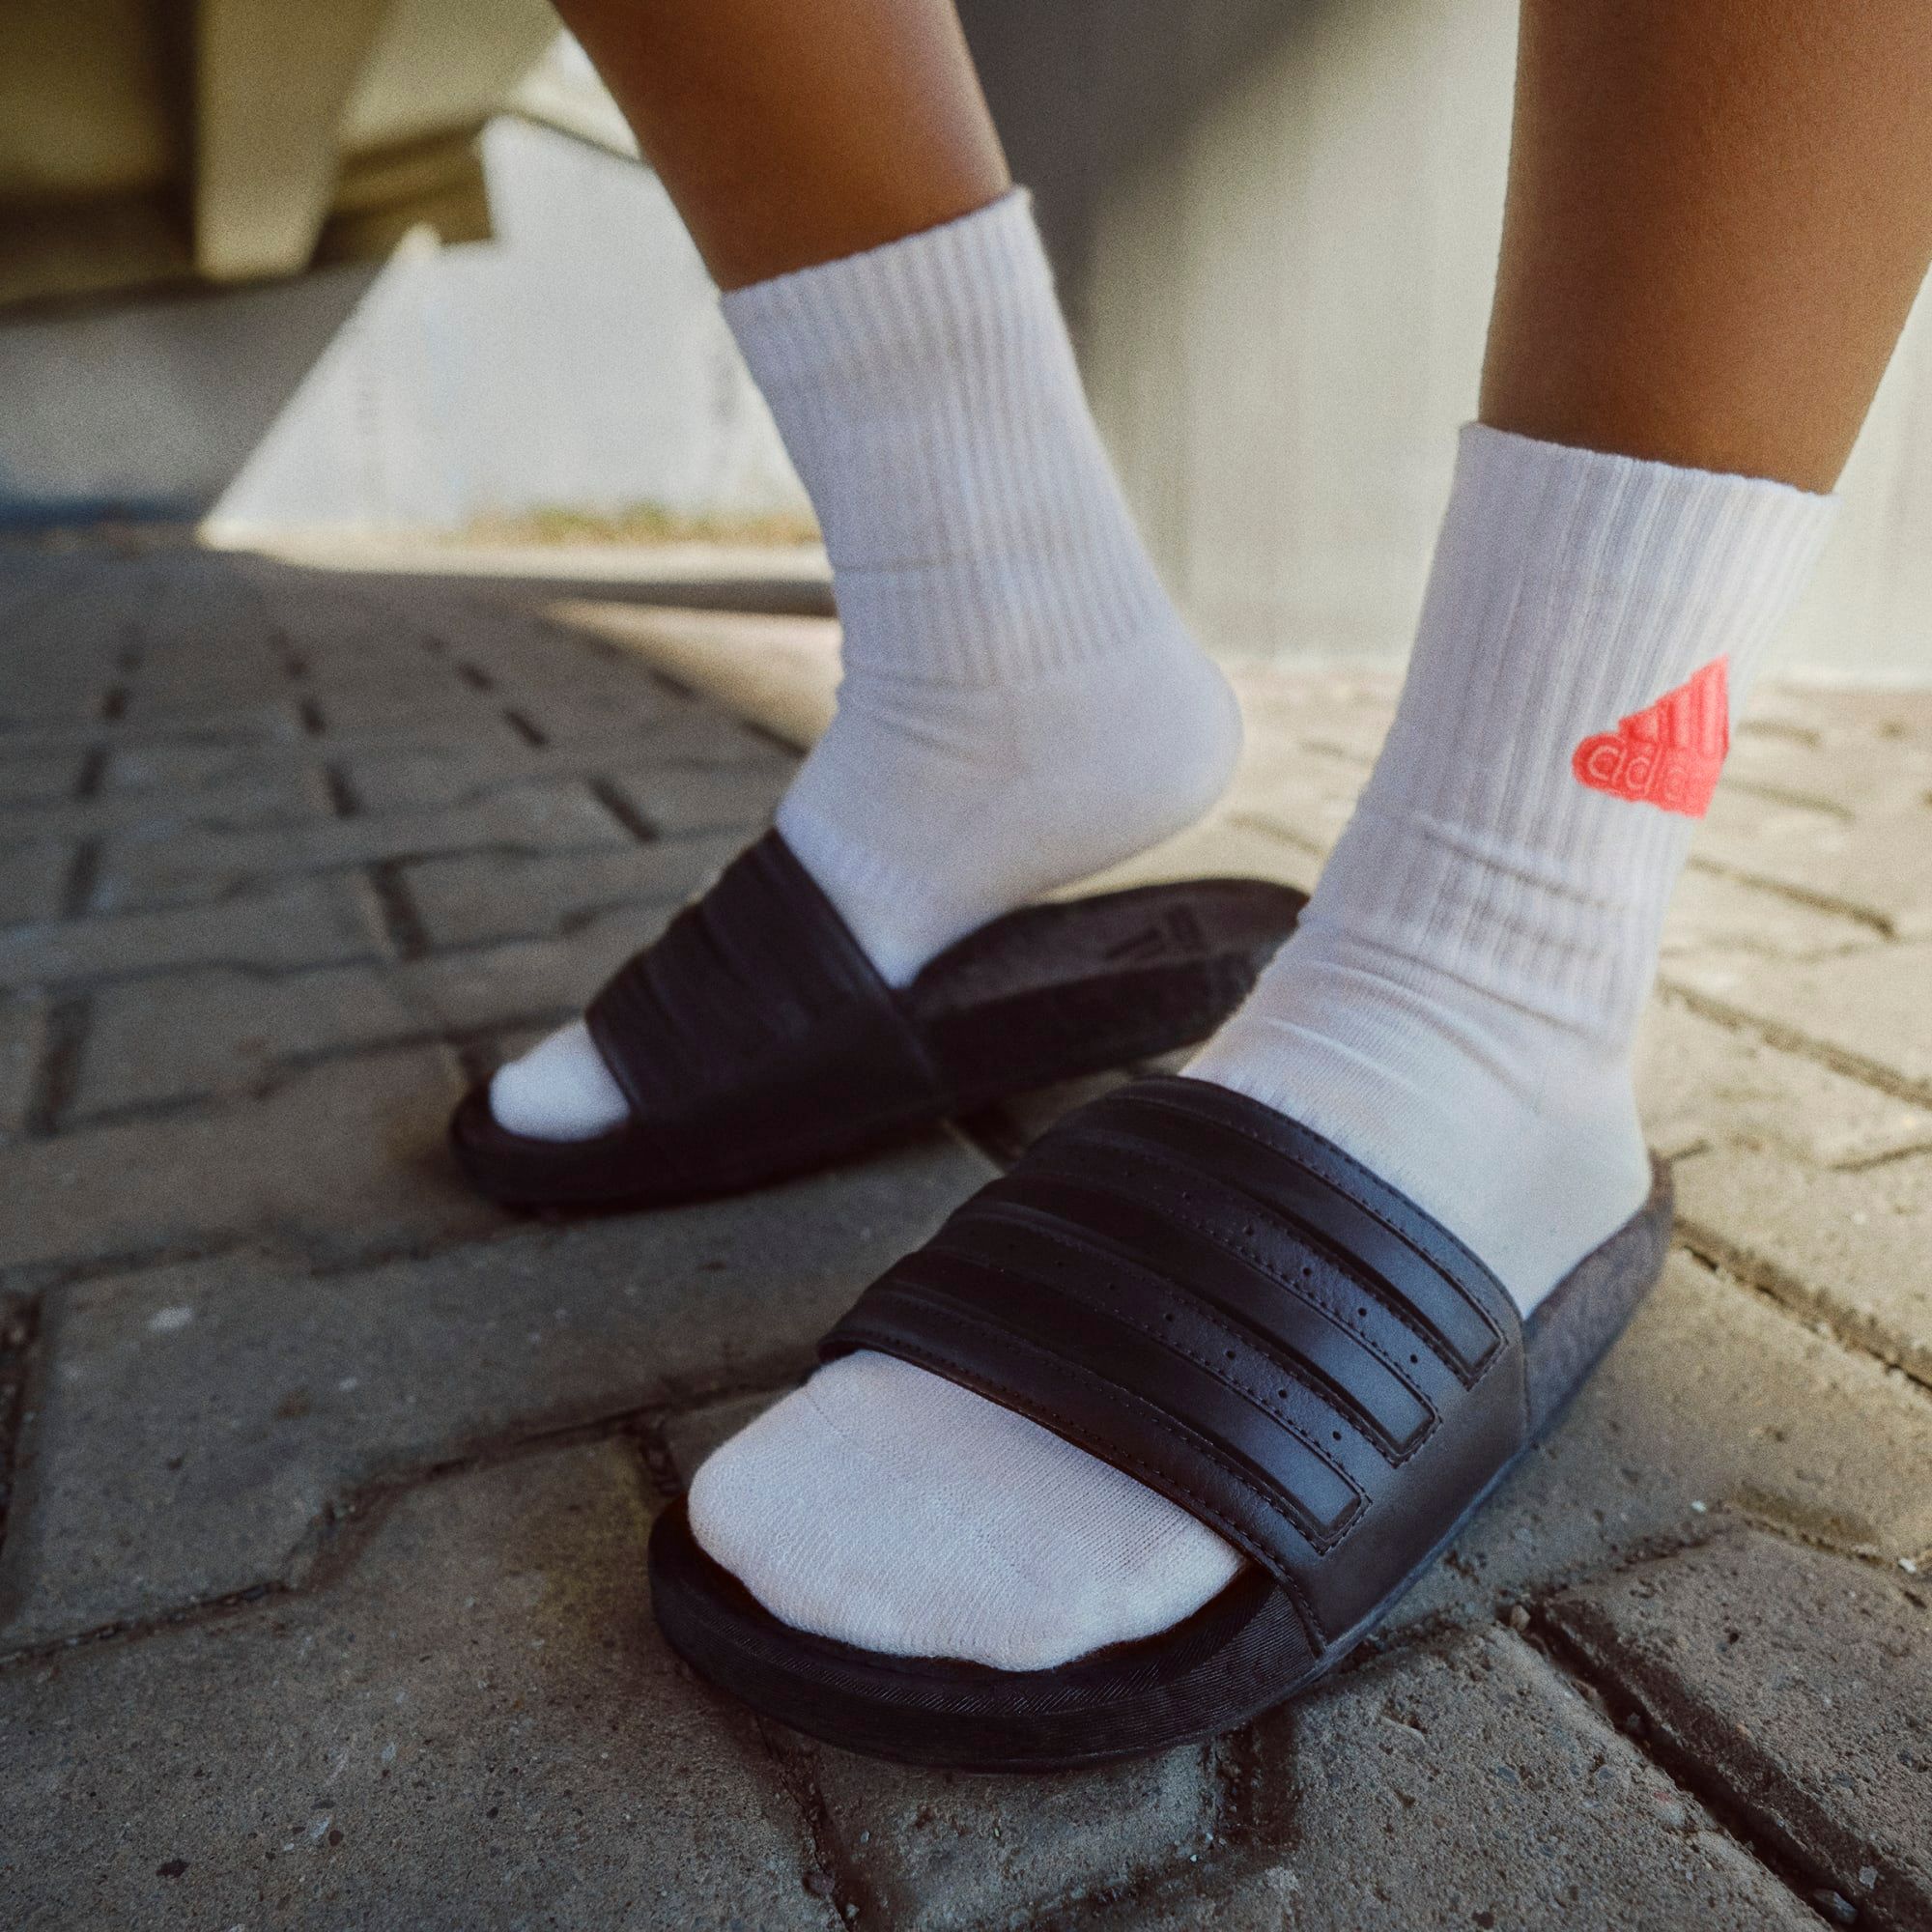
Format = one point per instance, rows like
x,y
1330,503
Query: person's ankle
x,y
927,810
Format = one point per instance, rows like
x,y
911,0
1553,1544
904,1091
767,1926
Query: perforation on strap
x,y
1349,1187
1286,1353
1317,1526
1299,1285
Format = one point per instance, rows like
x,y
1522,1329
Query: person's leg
x,y
791,136
1719,210
1718,215
1021,705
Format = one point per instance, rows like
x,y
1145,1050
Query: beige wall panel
x,y
92,97
266,149
441,64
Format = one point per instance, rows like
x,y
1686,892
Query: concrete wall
x,y
577,360
1276,222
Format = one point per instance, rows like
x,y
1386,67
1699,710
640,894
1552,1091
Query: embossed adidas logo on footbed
x,y
1669,753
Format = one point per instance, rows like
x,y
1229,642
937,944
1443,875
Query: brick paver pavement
x,y
320,1588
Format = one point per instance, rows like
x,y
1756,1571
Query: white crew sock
x,y
1457,1005
1456,1011
1021,705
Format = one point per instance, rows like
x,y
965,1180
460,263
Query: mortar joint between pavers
x,y
328,1549
110,978
791,1765
131,1629
1796,895
1223,1862
471,1045
19,1335
628,816
1787,1039
42,1278
342,799
1751,1274
402,922
691,1399
1804,801
1639,1726
57,1072
92,774
83,872
526,728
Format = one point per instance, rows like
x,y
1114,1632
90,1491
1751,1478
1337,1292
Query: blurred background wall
x,y
1275,223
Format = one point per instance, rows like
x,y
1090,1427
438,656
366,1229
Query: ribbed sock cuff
x,y
920,304
1661,553
929,399
1571,590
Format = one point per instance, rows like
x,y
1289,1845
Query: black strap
x,y
1228,1307
756,1011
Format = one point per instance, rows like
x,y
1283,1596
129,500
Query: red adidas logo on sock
x,y
1669,753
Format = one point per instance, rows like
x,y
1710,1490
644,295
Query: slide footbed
x,y
1238,1655
1051,992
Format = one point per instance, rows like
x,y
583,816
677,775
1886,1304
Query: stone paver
x,y
487,897
34,875
941,1852
260,727
709,798
43,780
279,795
1798,1686
690,1437
1703,1083
475,1724
138,873
1856,1248
1723,918
341,1160
1828,757
306,922
1467,1784
225,1030
1867,1009
1301,792
711,785
182,772
1878,867
329,1456
194,1430
495,986
1714,1406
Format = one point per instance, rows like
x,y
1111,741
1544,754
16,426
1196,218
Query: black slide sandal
x,y
754,1039
1230,1308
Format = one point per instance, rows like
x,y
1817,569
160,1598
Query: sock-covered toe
x,y
890,1509
560,1091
